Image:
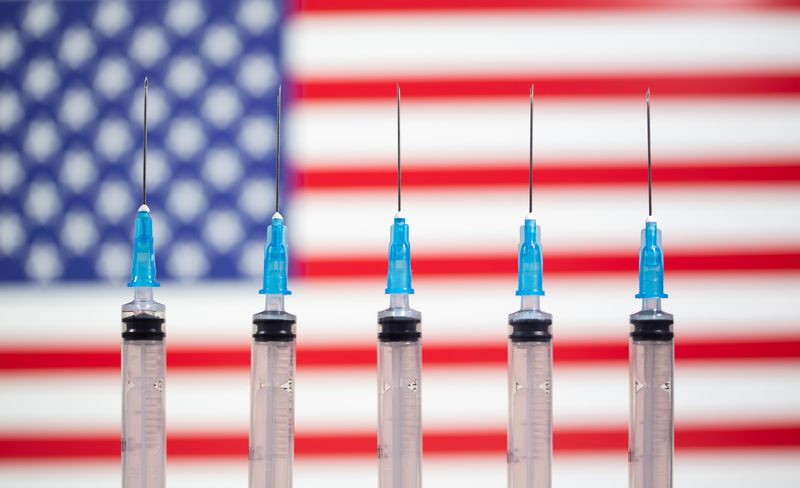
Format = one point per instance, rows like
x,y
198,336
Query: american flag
x,y
725,78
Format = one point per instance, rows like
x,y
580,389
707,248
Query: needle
x,y
399,178
530,160
278,155
144,150
649,161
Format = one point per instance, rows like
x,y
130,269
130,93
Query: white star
x,y
78,232
10,49
112,77
112,16
220,44
257,198
11,173
41,78
148,45
40,18
12,234
257,74
10,109
78,171
256,15
114,200
114,261
185,138
113,138
185,76
222,168
221,105
43,263
42,202
187,260
42,140
186,200
183,16
77,46
77,108
251,259
257,136
222,230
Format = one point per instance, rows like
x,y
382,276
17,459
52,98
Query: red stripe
x,y
436,355
586,440
382,6
426,175
696,85
557,264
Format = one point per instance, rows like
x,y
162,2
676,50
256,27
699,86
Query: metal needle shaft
x,y
144,147
649,161
530,160
399,175
278,153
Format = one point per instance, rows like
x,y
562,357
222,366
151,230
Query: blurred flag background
x,y
725,78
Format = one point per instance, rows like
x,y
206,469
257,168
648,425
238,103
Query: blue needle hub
x,y
276,259
529,264
651,263
143,266
398,280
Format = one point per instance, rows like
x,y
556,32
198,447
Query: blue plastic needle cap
x,y
529,265
398,280
143,267
651,263
276,259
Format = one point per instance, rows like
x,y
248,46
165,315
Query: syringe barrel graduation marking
x,y
399,410
272,375
530,399
650,434
143,414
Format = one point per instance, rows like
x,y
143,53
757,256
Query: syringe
x,y
530,361
272,364
399,362
143,433
650,433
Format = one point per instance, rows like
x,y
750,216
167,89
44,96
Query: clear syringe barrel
x,y
143,384
530,402
399,390
272,374
651,431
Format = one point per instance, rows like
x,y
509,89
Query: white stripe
x,y
576,220
342,400
609,129
776,469
401,44
332,312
